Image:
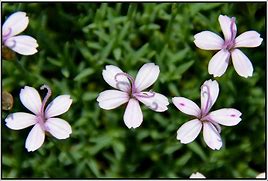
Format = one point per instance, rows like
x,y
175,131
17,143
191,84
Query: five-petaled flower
x,y
131,91
208,120
42,119
208,40
22,44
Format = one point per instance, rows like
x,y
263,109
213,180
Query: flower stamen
x,y
13,44
209,101
5,36
145,95
132,81
233,30
229,44
45,99
217,126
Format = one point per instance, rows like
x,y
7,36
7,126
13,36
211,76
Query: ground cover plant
x,y
76,41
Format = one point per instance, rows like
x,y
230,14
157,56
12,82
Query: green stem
x,y
20,67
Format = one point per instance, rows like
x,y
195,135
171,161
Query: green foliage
x,y
77,40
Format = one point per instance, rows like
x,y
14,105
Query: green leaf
x,y
184,67
117,53
84,74
198,150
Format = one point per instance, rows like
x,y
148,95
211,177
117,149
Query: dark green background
x,y
77,40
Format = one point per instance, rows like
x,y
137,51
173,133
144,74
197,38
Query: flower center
x,y
41,117
229,44
133,92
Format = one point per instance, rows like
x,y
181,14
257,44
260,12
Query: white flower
x,y
208,40
22,44
197,175
131,91
208,120
42,119
261,175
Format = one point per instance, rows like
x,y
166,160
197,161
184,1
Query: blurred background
x,y
77,40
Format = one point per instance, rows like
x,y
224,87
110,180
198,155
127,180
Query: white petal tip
x,y
132,127
214,74
30,150
181,141
247,76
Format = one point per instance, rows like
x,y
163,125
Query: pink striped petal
x,y
157,103
242,64
225,23
211,136
208,40
225,116
219,63
22,44
58,106
15,24
186,106
35,138
20,120
30,98
248,39
111,99
189,131
146,76
133,115
59,128
209,95
118,82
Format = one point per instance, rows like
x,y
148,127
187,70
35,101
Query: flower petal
x,y
157,102
261,175
146,76
15,24
189,131
219,63
35,138
225,116
119,82
209,95
59,128
22,44
225,23
211,136
242,64
133,115
111,99
197,175
58,106
186,106
217,126
208,40
30,98
20,120
248,39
